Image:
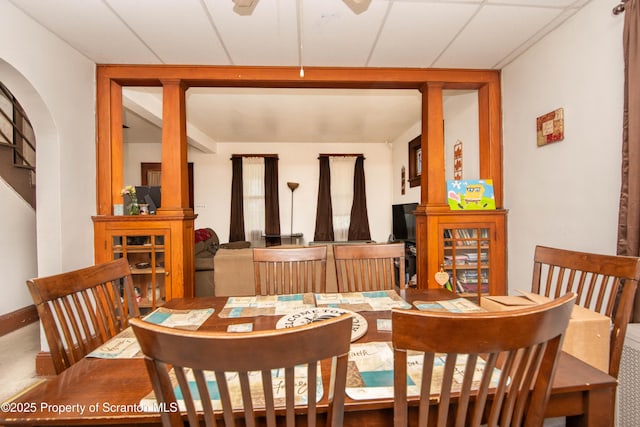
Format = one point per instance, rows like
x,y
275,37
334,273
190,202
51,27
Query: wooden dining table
x,y
97,391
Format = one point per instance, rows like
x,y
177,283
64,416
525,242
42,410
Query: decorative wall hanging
x,y
550,127
415,161
402,180
457,160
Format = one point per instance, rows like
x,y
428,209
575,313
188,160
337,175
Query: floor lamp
x,y
292,186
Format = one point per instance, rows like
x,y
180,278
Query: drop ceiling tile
x,y
493,34
536,3
171,30
266,37
335,36
415,33
90,27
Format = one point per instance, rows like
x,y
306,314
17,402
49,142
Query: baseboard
x,y
44,364
17,319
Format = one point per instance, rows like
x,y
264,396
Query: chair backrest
x,y
290,270
479,367
369,267
233,361
84,308
603,283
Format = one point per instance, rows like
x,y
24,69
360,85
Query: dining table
x,y
108,391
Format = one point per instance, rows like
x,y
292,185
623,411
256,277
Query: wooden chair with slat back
x,y
290,270
478,372
232,359
370,267
84,308
603,283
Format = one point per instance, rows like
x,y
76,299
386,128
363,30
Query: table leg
x,y
599,409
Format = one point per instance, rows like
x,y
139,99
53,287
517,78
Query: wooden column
x,y
175,183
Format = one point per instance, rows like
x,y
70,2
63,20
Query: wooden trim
x,y
17,319
275,156
44,364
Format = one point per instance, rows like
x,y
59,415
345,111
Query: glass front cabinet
x,y
471,250
145,241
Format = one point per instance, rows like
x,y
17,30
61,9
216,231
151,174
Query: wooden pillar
x,y
490,131
175,184
432,181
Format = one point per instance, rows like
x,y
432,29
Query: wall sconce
x,y
358,6
244,7
292,186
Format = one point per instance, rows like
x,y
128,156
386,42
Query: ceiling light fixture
x,y
299,19
244,7
358,6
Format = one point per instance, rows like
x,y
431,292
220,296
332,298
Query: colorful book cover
x,y
471,194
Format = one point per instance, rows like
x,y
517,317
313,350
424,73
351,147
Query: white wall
x,y
298,163
564,194
55,85
18,231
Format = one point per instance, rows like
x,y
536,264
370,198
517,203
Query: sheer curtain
x,y
342,170
253,195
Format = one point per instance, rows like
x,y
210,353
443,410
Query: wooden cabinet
x,y
158,269
470,247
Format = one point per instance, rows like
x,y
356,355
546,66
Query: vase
x,y
134,208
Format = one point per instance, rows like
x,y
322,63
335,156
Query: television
x,y
149,195
404,222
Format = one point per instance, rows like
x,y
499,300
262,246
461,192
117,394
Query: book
x,y
471,194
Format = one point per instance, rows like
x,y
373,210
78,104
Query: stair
x,y
17,147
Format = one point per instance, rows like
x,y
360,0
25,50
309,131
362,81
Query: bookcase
x,y
158,272
470,248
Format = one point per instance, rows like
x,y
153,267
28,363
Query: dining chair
x,y
369,267
290,270
493,368
238,369
603,283
84,308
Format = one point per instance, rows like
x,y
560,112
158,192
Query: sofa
x,y
206,246
234,276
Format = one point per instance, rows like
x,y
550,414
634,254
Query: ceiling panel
x,y
493,34
416,33
90,27
335,36
173,39
267,37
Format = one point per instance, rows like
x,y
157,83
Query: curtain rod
x,y
619,8
340,155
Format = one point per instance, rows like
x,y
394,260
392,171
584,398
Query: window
x,y
253,195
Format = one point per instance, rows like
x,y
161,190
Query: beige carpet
x,y
18,352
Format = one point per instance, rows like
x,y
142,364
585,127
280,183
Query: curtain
x,y
271,199
629,214
253,186
342,171
359,222
324,212
236,224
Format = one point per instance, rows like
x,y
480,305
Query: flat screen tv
x,y
149,195
404,221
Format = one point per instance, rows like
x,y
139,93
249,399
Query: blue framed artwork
x,y
470,194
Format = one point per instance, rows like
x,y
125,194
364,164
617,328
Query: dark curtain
x,y
236,226
359,222
271,199
324,213
629,214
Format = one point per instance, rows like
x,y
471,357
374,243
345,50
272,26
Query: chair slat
x,y
603,283
290,270
369,267
221,352
513,394
81,309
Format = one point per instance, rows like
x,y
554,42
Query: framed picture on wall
x,y
415,161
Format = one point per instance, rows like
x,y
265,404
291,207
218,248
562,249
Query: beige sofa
x,y
233,273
